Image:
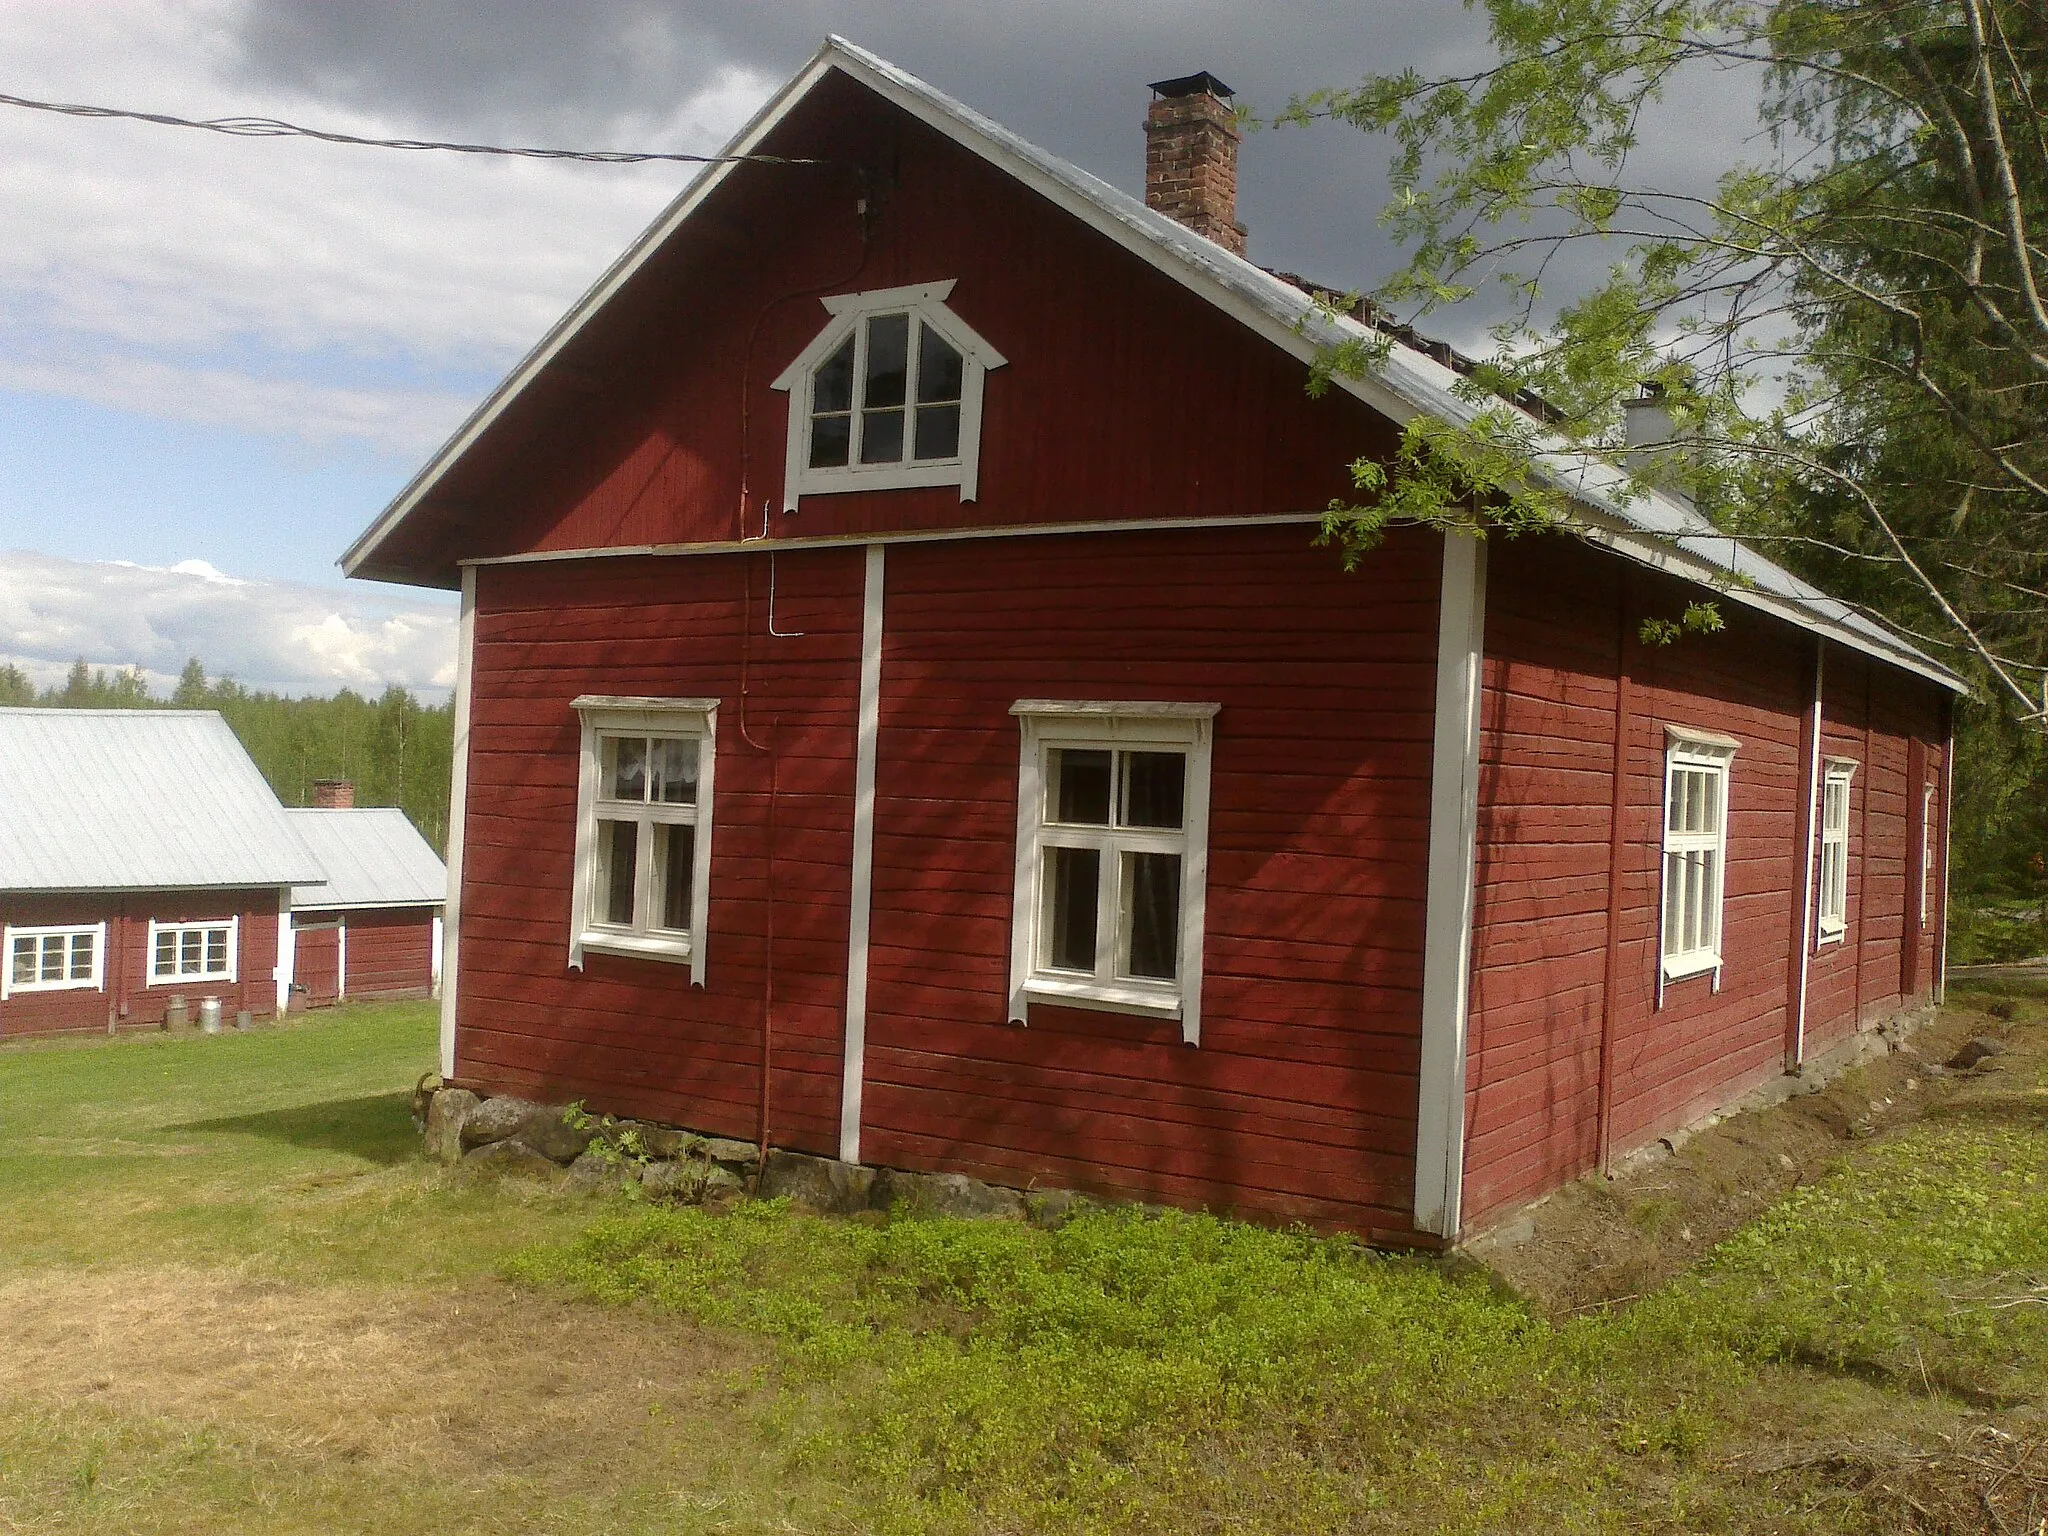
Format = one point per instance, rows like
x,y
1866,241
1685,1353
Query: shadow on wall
x,y
378,1128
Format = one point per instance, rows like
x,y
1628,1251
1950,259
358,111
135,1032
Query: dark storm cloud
x,y
1069,76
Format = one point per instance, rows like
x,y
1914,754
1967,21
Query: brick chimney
x,y
334,794
1191,158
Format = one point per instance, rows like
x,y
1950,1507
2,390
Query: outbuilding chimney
x,y
1191,158
334,794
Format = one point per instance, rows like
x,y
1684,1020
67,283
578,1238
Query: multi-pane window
x,y
886,396
1112,858
52,959
1695,851
890,392
180,952
1834,848
643,831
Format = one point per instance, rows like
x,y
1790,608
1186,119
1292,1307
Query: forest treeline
x,y
395,749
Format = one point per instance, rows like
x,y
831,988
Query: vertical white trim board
x,y
287,950
853,1068
1447,941
1948,807
458,801
1808,894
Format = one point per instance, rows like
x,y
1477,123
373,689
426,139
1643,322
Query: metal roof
x,y
137,799
374,857
1655,530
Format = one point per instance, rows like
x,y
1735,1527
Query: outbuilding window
x,y
1834,848
1112,858
643,829
1696,766
53,959
888,395
180,952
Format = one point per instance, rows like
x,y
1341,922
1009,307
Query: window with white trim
x,y
1834,848
643,829
181,952
1696,766
887,396
1112,858
53,959
1926,851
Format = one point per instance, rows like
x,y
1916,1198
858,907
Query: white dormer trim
x,y
925,303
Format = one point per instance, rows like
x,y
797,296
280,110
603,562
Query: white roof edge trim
x,y
1127,222
1674,561
594,298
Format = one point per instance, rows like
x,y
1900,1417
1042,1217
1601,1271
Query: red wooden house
x,y
373,928
902,713
144,864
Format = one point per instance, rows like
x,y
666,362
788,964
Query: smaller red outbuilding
x,y
144,863
374,928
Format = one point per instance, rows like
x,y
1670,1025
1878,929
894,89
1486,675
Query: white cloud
x,y
282,286
282,636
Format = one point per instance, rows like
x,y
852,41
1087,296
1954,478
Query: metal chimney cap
x,y
1203,84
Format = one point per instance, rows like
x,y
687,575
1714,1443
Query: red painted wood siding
x,y
1300,1100
632,1035
1555,626
390,952
1124,395
316,959
134,1002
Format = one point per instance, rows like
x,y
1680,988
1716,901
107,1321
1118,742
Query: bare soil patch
x,y
1606,1240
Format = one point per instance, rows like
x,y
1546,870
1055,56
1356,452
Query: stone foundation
x,y
680,1167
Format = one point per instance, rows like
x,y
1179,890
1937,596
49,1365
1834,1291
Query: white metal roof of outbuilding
x,y
374,857
138,799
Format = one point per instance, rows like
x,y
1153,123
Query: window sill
x,y
17,988
637,946
190,981
1826,938
1146,1002
1684,967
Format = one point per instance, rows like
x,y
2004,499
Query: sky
x,y
221,357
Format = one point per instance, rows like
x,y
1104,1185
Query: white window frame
x,y
41,933
233,925
688,719
925,303
1831,896
1926,852
1048,724
1692,751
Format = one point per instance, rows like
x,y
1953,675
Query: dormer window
x,y
887,396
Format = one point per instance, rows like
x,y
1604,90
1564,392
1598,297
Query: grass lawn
x,y
234,1298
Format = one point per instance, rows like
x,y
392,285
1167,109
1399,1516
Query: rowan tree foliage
x,y
1848,323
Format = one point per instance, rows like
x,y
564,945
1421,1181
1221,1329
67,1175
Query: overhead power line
x,y
277,128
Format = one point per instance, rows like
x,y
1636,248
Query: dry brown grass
x,y
462,1383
